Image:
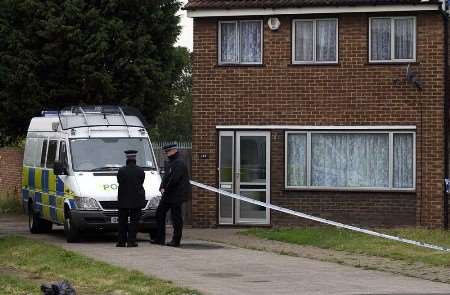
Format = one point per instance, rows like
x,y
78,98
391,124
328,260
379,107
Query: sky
x,y
185,39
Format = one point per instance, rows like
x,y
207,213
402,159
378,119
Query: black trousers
x,y
177,221
128,231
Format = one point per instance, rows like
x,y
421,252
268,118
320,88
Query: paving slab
x,y
216,268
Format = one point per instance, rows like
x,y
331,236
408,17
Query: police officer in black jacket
x,y
131,198
174,188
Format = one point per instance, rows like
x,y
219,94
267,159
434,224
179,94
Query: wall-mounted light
x,y
411,77
273,23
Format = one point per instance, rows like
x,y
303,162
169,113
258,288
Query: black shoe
x,y
121,245
131,245
156,242
173,244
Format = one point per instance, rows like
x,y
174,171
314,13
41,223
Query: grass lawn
x,y
349,241
11,284
25,264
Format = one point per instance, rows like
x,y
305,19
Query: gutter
x,y
224,12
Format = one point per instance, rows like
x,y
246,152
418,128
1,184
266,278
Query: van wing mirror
x,y
59,168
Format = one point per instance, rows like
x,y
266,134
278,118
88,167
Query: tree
x,y
175,123
57,53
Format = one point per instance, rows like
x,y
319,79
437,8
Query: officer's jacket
x,y
176,181
131,190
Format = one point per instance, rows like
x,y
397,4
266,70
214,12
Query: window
x,y
240,42
43,153
106,154
32,154
51,154
350,160
392,39
62,158
315,41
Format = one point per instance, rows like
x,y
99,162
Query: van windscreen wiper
x,y
149,168
106,168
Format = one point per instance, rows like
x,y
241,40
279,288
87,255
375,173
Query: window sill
x,y
348,190
313,64
391,63
240,65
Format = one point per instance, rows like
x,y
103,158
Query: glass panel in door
x,y
252,176
226,160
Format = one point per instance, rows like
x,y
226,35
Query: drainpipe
x,y
446,114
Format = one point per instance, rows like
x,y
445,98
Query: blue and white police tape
x,y
318,219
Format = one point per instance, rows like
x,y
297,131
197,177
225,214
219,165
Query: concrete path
x,y
214,268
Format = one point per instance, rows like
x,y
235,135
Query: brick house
x,y
334,108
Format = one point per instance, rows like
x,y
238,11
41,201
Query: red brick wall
x,y
350,93
10,170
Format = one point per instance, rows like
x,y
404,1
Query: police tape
x,y
318,219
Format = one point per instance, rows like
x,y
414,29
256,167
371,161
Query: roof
x,y
43,124
236,4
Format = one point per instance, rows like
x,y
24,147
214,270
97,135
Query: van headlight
x,y
153,203
86,203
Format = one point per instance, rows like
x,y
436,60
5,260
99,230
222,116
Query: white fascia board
x,y
300,127
310,10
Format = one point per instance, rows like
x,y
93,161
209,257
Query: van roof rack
x,y
96,116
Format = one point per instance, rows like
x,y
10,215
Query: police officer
x,y
174,188
131,196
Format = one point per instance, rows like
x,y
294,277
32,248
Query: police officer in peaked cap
x,y
131,200
175,188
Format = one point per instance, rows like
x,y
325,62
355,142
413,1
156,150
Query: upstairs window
x,y
315,41
392,39
240,42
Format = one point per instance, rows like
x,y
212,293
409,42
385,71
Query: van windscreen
x,y
104,154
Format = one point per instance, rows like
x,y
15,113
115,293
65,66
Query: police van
x,y
70,165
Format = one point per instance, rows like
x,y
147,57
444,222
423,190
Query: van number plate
x,y
115,219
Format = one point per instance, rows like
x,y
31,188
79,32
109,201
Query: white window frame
x,y
393,59
238,39
308,186
314,61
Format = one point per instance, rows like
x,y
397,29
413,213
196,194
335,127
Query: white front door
x,y
244,168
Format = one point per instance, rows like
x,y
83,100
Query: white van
x,y
70,164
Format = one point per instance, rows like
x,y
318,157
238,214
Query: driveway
x,y
215,268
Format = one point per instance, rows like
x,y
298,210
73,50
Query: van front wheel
x,y
36,224
71,232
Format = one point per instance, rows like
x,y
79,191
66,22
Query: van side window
x,y
51,154
33,150
44,152
63,154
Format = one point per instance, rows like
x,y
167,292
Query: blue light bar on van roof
x,y
49,113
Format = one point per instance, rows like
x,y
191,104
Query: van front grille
x,y
109,205
111,214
